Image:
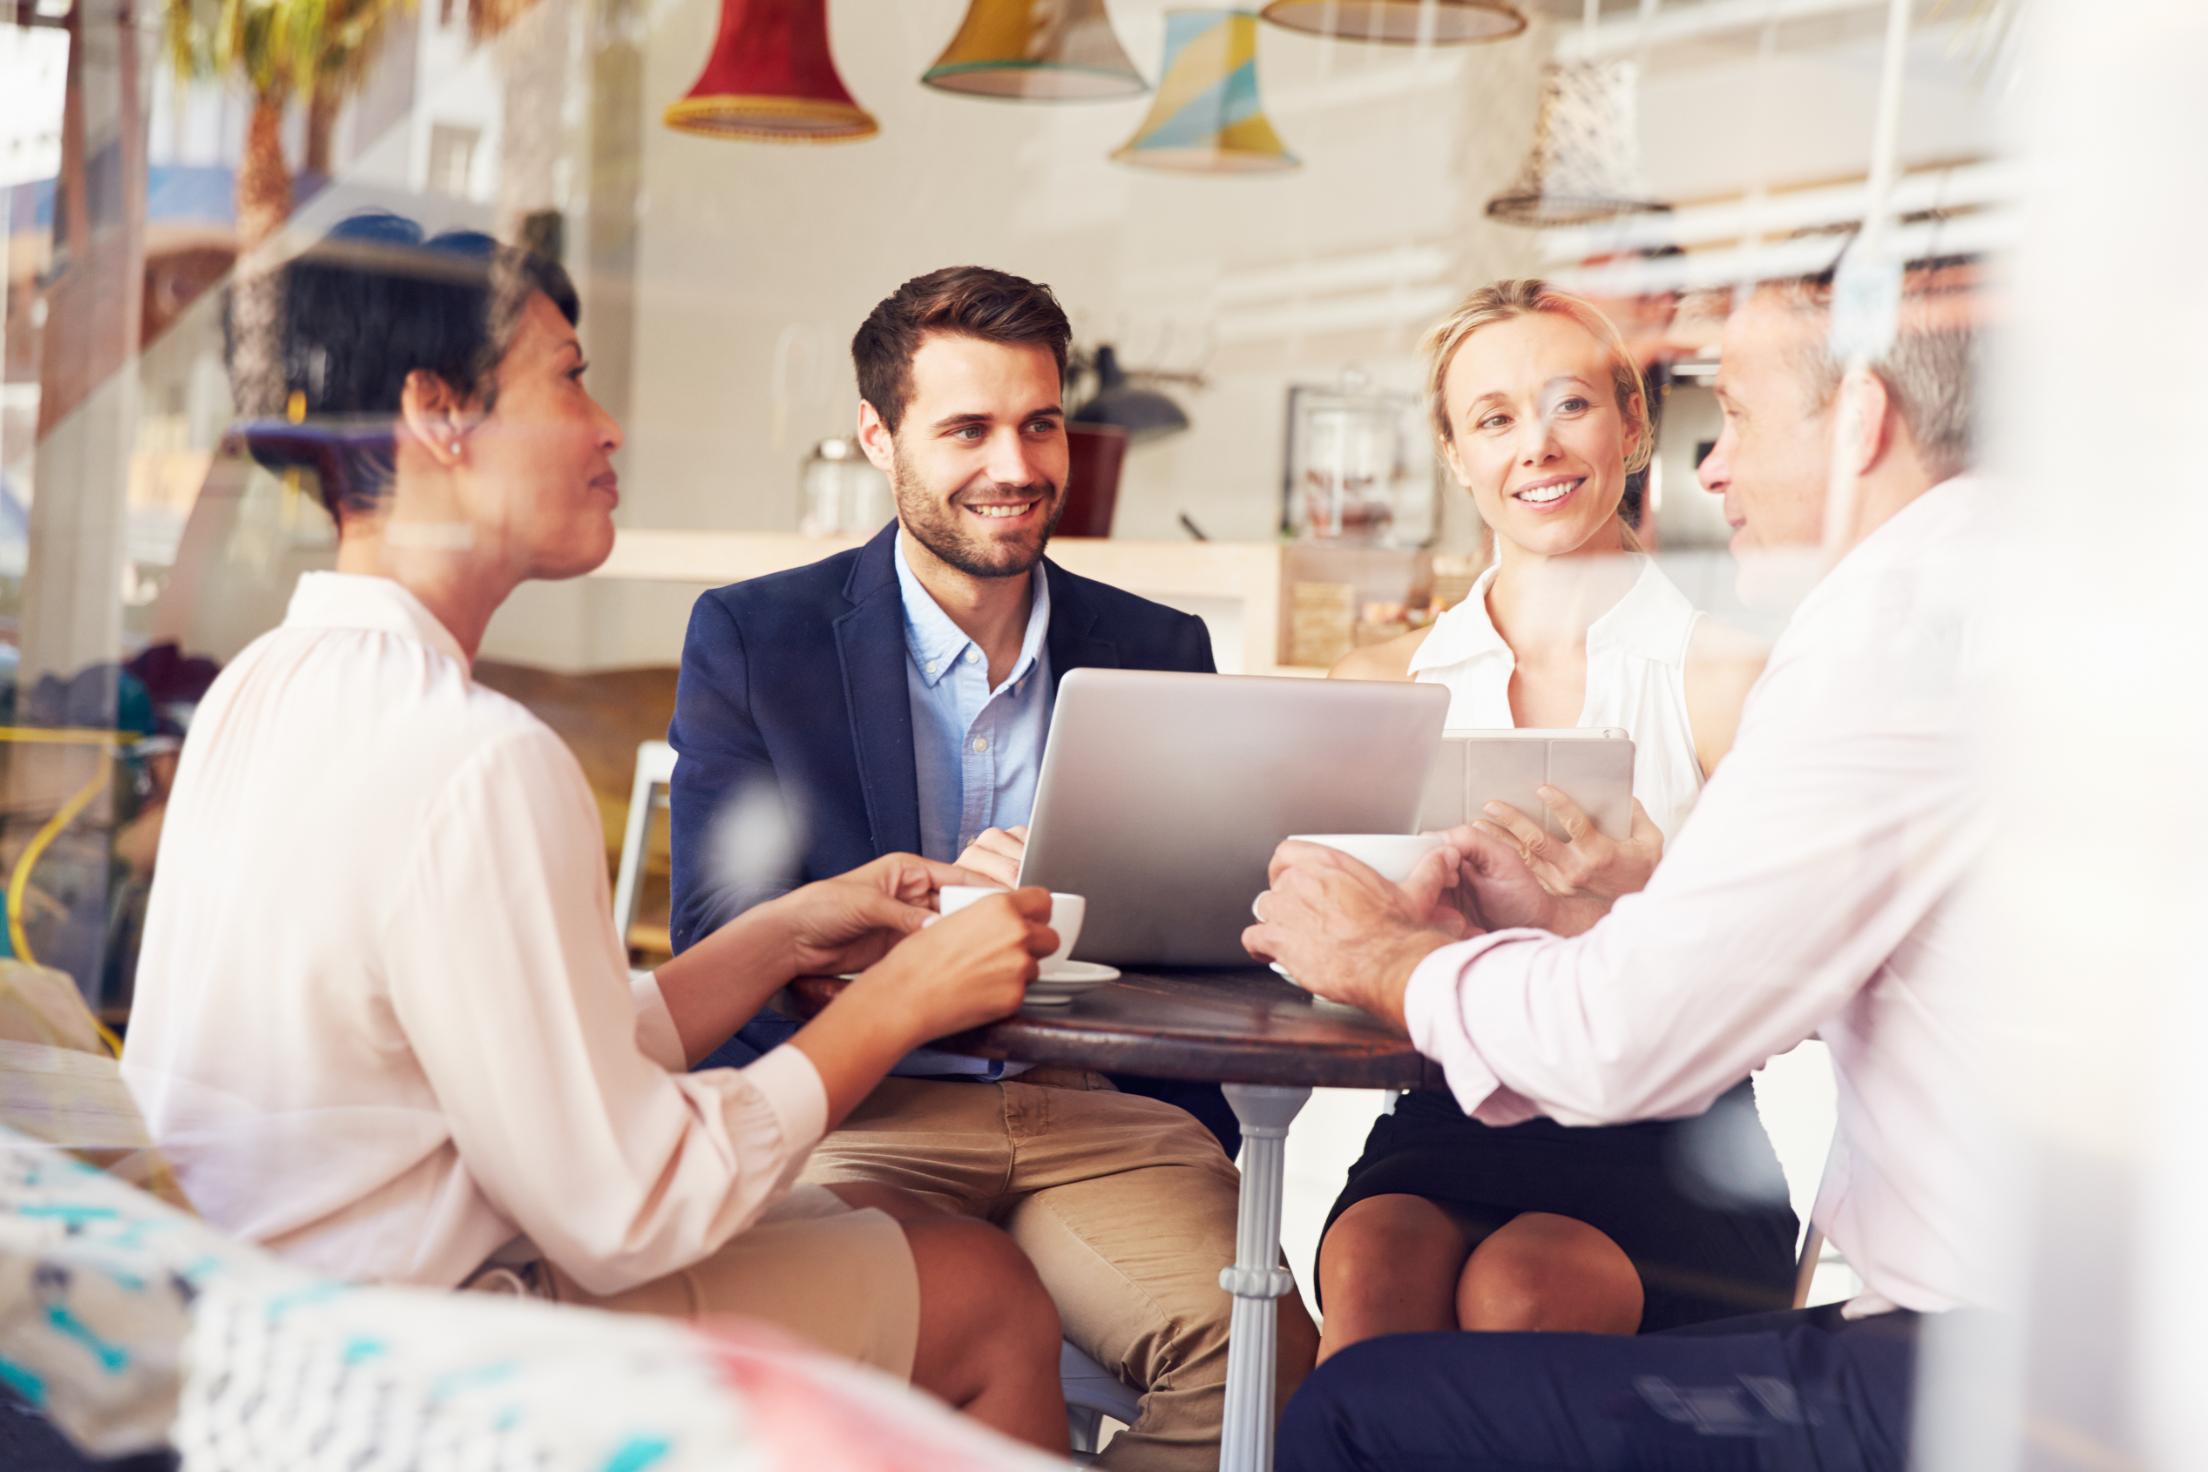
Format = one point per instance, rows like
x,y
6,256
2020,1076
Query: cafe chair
x,y
655,768
1092,1393
1795,1099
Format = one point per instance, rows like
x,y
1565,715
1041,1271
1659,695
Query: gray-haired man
x,y
1814,893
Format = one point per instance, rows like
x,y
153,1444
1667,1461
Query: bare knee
x,y
981,1304
1383,1244
1541,1271
1388,1265
989,1333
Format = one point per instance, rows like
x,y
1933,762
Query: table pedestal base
x,y
1256,1279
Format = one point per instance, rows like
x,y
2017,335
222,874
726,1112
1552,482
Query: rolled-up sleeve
x,y
656,1033
1842,816
556,1072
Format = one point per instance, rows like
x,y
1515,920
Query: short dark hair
x,y
371,302
972,301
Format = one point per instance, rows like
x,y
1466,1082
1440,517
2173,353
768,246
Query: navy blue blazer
x,y
793,688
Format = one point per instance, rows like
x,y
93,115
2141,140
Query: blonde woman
x,y
1447,1223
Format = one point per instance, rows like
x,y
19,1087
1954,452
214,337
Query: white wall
x,y
1722,116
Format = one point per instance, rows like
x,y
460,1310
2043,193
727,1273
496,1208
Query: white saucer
x,y
1057,986
1323,1004
1076,974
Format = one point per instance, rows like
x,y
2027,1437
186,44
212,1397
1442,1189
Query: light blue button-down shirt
x,y
977,752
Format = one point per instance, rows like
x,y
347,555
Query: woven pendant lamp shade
x,y
1586,158
1406,22
1036,51
1207,117
770,79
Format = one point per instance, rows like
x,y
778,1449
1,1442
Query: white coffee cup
x,y
1391,855
1066,914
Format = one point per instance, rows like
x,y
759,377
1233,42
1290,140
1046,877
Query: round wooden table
x,y
1270,1043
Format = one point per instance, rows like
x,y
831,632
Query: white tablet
x,y
1593,766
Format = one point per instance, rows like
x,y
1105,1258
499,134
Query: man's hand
x,y
1586,861
849,922
1345,933
995,855
1497,891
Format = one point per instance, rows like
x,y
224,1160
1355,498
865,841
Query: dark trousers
x,y
1770,1393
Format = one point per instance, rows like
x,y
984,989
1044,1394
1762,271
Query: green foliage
x,y
278,48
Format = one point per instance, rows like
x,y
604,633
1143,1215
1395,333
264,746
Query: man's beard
x,y
936,526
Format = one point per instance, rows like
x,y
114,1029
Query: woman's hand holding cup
x,y
966,968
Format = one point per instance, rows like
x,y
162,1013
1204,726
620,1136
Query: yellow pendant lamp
x,y
1406,22
1036,51
1207,117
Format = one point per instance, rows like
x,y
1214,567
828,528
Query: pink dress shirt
x,y
1816,891
383,1024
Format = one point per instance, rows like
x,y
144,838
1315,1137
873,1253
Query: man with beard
x,y
896,697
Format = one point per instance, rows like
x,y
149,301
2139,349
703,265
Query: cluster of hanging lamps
x,y
771,77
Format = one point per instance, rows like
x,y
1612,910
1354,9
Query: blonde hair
x,y
1502,300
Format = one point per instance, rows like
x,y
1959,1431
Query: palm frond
x,y
278,48
185,41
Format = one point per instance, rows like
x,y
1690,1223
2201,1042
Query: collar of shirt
x,y
937,645
1897,540
346,600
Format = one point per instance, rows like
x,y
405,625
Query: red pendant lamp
x,y
771,79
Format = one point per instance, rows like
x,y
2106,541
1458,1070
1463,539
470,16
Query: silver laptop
x,y
1163,796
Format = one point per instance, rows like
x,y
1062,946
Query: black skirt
x,y
1699,1205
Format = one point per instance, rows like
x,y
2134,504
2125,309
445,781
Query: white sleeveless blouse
x,y
1636,680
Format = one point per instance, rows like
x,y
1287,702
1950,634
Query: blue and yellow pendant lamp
x,y
1207,117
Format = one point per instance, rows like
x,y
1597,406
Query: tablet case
x,y
1593,766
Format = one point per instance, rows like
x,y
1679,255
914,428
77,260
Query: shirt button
x,y
981,743
973,656
931,665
